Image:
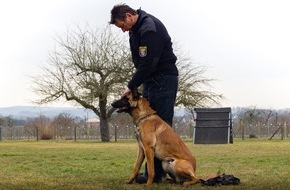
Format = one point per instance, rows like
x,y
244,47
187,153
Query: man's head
x,y
123,17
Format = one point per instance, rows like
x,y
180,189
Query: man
x,y
154,60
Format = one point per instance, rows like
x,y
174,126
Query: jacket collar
x,y
142,14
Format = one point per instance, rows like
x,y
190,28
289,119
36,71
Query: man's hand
x,y
126,92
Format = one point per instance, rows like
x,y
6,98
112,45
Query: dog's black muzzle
x,y
122,105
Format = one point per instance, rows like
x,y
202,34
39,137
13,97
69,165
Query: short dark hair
x,y
119,12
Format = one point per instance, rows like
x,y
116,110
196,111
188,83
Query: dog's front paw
x,y
147,184
186,184
129,181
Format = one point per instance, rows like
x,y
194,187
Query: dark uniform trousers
x,y
160,91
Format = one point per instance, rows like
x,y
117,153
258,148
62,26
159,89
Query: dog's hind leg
x,y
193,181
137,166
186,171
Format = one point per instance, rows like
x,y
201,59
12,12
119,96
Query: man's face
x,y
125,24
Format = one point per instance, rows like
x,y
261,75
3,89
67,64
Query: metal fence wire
x,y
185,131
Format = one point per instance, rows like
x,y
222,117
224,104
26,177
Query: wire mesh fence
x,y
90,132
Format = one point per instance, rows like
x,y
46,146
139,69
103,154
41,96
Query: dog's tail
x,y
210,176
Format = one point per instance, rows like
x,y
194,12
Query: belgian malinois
x,y
156,138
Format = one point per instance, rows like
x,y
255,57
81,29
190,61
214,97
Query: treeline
x,y
248,122
255,122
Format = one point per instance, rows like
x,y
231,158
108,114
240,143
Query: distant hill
x,y
34,111
22,112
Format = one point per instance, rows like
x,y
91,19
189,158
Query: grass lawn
x,y
260,164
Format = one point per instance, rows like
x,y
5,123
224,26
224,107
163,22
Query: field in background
x,y
83,165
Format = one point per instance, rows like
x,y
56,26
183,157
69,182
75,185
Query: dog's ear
x,y
135,94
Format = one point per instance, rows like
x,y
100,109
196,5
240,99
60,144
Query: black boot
x,y
141,178
159,173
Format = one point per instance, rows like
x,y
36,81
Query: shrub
x,y
252,136
46,135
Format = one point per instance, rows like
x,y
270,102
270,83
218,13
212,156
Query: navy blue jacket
x,y
151,49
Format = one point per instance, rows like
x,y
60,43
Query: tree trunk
x,y
104,123
104,129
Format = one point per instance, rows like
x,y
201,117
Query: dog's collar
x,y
144,117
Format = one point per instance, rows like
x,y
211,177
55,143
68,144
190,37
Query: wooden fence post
x,y
258,129
116,133
243,129
283,135
36,133
75,133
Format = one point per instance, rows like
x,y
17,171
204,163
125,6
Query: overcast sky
x,y
244,43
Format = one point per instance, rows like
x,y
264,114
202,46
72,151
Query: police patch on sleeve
x,y
142,51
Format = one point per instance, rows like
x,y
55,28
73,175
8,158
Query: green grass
x,y
260,164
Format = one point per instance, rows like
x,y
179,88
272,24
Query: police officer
x,y
155,64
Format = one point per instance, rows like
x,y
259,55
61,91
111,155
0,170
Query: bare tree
x,y
62,125
31,126
87,67
2,121
38,127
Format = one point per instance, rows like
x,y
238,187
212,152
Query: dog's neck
x,y
141,111
138,120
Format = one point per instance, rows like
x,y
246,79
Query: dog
x,y
156,138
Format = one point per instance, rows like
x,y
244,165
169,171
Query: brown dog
x,y
156,138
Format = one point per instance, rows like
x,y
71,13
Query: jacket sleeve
x,y
147,64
